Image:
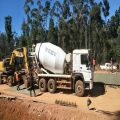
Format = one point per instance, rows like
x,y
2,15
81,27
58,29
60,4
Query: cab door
x,y
85,68
76,63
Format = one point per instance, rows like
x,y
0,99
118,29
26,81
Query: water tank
x,y
51,57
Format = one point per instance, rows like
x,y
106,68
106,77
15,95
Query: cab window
x,y
84,59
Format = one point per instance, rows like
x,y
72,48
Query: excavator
x,y
17,62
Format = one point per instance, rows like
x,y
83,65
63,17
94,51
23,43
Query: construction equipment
x,y
56,69
17,62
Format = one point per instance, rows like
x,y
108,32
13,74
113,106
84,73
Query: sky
x,y
14,8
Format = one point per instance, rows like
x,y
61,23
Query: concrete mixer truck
x,y
55,69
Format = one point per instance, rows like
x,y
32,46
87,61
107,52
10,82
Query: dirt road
x,y
104,99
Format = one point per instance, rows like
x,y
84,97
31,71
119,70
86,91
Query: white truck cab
x,y
82,68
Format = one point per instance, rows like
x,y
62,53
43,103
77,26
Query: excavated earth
x,y
37,108
31,110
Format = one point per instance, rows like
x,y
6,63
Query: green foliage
x,y
79,27
95,13
70,24
51,33
4,46
25,36
106,8
9,33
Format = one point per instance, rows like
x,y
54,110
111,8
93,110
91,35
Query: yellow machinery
x,y
17,62
4,64
1,66
19,56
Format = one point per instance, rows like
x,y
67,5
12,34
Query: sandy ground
x,y
105,99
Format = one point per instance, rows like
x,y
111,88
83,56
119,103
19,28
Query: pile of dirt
x,y
43,107
20,109
14,110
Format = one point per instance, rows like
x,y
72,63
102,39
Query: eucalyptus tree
x,y
27,9
9,33
118,45
41,30
25,39
113,33
81,14
35,24
34,12
73,35
64,36
56,13
51,32
46,12
66,13
64,41
96,26
4,46
106,8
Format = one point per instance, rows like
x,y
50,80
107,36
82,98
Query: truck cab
x,y
81,67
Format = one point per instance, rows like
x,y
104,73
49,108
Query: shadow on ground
x,y
98,89
64,91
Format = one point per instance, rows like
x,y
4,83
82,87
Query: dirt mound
x,y
14,110
43,107
29,110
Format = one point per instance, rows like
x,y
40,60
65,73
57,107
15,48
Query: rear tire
x,y
79,88
52,86
43,85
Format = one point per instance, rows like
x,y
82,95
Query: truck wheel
x,y
43,85
79,88
52,86
10,81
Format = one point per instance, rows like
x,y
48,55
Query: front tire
x,y
43,85
79,88
52,86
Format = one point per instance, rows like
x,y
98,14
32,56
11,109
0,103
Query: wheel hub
x,y
79,89
42,85
51,86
